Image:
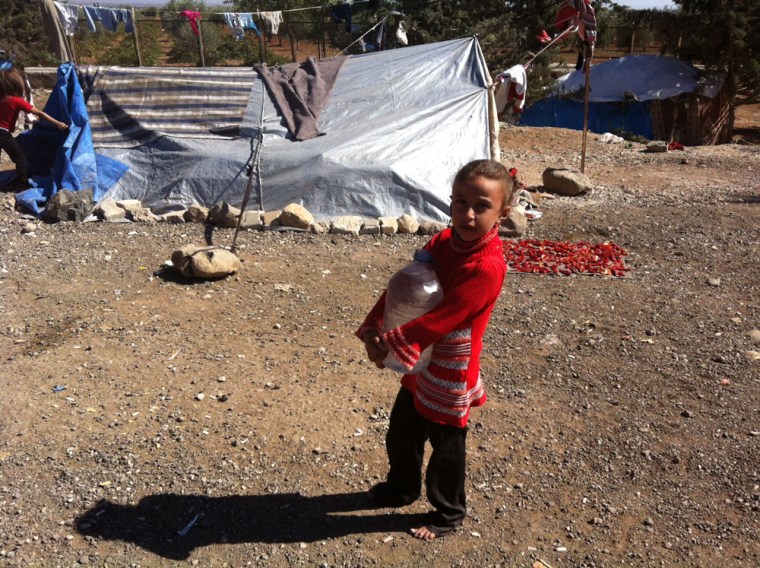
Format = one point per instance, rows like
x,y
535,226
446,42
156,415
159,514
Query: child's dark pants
x,y
15,153
444,479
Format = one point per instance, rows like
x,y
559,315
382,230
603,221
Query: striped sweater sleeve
x,y
374,319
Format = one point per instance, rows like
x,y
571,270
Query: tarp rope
x,y
254,168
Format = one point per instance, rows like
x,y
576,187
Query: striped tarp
x,y
129,107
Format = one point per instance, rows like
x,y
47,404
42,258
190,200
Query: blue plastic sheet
x,y
59,160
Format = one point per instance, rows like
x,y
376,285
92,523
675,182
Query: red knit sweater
x,y
471,275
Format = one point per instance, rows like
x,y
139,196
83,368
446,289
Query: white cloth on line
x,y
68,14
272,21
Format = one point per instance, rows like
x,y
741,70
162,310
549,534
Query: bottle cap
x,y
422,255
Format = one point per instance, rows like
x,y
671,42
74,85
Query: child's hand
x,y
376,350
62,126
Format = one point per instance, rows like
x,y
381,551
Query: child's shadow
x,y
156,521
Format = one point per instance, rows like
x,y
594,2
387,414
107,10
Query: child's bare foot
x,y
430,532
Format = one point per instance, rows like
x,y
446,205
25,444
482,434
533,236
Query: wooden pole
x,y
587,66
137,39
291,36
200,43
322,45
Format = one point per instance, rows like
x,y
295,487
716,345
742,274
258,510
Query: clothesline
x,y
361,37
179,12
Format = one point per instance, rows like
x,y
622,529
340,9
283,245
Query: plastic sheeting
x,y
398,126
638,77
60,160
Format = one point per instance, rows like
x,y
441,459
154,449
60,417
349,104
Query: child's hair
x,y
12,83
493,170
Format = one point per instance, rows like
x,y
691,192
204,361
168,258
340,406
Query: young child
x,y
435,404
11,104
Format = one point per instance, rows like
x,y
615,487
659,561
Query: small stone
x,y
754,335
714,282
200,396
686,414
649,522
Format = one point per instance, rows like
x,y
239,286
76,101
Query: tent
x,y
396,128
653,96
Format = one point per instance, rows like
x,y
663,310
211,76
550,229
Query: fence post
x,y
200,42
137,39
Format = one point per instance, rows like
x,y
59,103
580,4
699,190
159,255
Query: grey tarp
x,y
397,127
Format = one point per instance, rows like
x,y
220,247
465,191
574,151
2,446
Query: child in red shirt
x,y
434,405
11,104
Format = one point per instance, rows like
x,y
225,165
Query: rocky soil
x,y
147,420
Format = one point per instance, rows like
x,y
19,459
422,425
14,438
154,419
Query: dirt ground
x,y
622,428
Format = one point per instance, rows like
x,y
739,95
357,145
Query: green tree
x,y
722,35
22,33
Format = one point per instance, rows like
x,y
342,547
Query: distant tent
x,y
397,127
659,98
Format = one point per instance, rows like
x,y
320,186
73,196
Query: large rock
x,y
174,217
205,262
196,214
370,227
430,228
346,225
271,218
251,220
295,215
515,225
408,224
657,146
68,205
224,215
135,211
563,181
108,210
388,225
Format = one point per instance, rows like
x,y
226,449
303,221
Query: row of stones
x,y
294,216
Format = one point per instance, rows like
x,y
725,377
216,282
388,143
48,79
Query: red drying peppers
x,y
562,257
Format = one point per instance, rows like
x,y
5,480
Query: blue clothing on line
x,y
109,17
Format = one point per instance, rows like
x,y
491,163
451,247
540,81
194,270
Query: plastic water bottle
x,y
412,291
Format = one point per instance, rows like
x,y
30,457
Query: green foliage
x,y
22,33
722,35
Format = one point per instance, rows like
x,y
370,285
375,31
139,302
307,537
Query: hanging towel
x,y
401,34
512,85
68,14
272,21
587,28
109,18
567,15
248,24
233,20
380,39
193,18
300,92
342,13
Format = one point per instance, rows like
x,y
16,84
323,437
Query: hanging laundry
x,y
233,20
380,38
567,15
580,61
543,37
109,18
401,34
272,21
587,27
192,18
68,14
342,13
512,85
246,18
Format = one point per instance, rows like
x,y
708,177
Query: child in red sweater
x,y
11,104
435,405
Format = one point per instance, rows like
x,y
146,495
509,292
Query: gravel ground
x,y
622,429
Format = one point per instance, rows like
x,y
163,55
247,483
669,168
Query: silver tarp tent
x,y
397,127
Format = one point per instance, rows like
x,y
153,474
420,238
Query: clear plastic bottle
x,y
412,291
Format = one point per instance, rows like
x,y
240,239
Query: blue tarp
x,y
631,116
60,160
